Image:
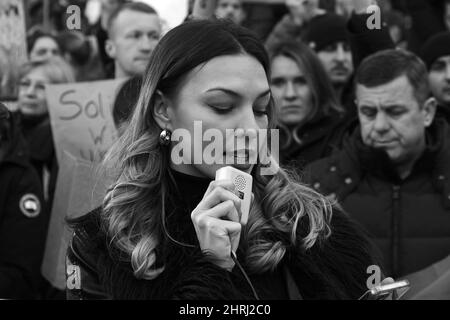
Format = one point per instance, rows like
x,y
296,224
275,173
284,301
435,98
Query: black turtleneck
x,y
184,194
188,189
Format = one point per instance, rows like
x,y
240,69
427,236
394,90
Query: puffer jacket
x,y
23,217
409,220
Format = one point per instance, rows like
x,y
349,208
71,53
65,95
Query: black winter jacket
x,y
38,135
23,222
409,219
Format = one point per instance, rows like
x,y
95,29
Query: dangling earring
x,y
165,137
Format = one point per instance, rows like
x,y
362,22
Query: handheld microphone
x,y
243,182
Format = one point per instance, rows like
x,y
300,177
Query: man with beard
x,y
393,173
230,9
327,35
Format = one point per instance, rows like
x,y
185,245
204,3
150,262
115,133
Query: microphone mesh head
x,y
239,182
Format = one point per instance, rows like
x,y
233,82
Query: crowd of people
x,y
363,176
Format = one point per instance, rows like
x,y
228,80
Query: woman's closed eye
x,y
24,83
261,110
221,108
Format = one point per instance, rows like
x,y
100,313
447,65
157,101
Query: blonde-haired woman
x,y
33,117
167,231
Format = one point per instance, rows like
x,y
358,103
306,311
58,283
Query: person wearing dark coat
x,y
23,216
166,230
427,20
393,171
307,107
363,43
33,118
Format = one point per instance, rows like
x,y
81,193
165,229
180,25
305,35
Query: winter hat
x,y
325,30
436,47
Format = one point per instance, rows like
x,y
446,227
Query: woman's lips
x,y
241,156
291,108
28,105
384,143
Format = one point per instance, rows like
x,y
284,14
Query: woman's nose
x,y
248,120
30,90
290,92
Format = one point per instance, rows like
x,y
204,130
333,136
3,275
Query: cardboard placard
x,y
81,118
83,130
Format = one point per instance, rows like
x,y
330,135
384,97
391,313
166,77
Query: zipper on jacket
x,y
395,231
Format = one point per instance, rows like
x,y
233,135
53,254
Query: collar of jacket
x,y
356,158
189,275
317,128
16,152
443,112
38,135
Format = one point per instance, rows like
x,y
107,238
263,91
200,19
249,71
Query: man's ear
x,y
110,49
161,112
429,109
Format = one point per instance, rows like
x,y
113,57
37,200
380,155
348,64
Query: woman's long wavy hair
x,y
285,213
324,99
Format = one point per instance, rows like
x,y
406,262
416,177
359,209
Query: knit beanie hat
x,y
436,47
325,30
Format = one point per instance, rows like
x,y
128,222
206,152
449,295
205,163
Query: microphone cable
x,y
234,257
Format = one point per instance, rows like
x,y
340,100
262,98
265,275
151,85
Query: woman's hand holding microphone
x,y
217,222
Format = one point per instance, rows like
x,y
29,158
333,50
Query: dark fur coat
x,y
333,269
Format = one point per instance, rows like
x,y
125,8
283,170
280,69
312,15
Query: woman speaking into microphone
x,y
168,230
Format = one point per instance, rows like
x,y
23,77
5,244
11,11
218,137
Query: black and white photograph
x,y
224,154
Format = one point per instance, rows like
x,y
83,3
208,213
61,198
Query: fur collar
x,y
333,269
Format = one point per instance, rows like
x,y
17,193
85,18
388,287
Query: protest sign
x,y
56,245
81,118
83,130
13,50
80,188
